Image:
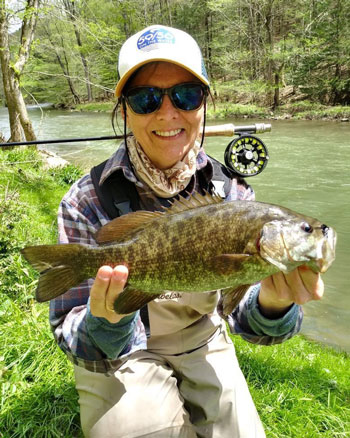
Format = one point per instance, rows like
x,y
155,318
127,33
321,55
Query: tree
x,y
72,13
59,49
12,67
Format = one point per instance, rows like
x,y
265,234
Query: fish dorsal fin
x,y
194,201
120,228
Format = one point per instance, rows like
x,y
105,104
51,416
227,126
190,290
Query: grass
x,y
300,388
38,397
95,107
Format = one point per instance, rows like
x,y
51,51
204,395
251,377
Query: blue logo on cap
x,y
155,36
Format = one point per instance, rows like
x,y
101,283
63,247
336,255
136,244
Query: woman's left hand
x,y
279,291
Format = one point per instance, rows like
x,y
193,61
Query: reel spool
x,y
246,155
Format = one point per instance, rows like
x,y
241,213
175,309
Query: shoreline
x,y
223,110
51,159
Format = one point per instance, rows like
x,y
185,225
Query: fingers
x,y
108,284
281,290
312,281
117,284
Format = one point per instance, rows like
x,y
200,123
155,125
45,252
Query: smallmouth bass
x,y
198,245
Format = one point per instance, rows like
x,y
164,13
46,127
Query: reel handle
x,y
229,129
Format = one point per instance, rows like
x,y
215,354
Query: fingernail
x,y
122,271
104,273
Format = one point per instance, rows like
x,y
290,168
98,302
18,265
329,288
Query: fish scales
x,y
183,252
195,246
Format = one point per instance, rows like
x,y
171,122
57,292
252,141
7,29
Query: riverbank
x,y
299,387
302,110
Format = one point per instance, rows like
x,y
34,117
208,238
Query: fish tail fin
x,y
58,266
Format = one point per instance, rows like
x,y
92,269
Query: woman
x,y
183,380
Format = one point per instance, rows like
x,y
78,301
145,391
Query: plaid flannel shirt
x,y
76,330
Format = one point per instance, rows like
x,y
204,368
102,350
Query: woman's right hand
x,y
108,284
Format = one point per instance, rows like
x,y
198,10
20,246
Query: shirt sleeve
x,y
78,333
248,322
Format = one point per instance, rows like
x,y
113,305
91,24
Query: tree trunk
x,y
278,82
63,62
20,124
72,14
269,15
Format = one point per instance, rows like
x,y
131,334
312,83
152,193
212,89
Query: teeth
x,y
168,133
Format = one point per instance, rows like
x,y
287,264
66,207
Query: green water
x,y
308,171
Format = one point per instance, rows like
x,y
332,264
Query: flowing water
x,y
308,171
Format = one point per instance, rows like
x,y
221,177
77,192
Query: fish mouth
x,y
257,243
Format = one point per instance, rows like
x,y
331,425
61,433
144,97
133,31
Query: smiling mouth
x,y
171,133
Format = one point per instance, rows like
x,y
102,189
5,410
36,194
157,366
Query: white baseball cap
x,y
159,43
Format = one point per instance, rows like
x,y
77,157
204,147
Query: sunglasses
x,y
185,97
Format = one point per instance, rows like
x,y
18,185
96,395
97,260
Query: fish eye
x,y
307,227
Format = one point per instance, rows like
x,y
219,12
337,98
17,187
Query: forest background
x,y
264,52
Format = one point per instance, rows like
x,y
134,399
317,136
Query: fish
x,y
198,245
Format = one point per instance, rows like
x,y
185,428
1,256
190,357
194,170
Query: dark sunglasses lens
x,y
144,100
188,97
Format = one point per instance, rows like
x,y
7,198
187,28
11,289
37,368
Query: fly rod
x,y
227,130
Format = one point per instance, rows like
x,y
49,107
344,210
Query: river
x,y
308,171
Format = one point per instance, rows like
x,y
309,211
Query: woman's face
x,y
167,134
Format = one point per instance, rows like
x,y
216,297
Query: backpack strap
x,y
222,177
117,194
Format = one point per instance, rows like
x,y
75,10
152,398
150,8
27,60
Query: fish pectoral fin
x,y
227,263
230,298
131,300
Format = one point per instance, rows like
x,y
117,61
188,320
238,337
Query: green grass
x,y
239,110
301,388
96,106
38,397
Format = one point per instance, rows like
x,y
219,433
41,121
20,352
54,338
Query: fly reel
x,y
246,155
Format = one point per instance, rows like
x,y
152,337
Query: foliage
x,y
271,43
67,174
96,107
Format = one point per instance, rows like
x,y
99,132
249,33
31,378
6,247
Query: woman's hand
x,y
108,284
279,291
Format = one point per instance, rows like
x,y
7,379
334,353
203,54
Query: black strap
x,y
117,194
222,174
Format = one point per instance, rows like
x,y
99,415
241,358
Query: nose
x,y
167,110
325,230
